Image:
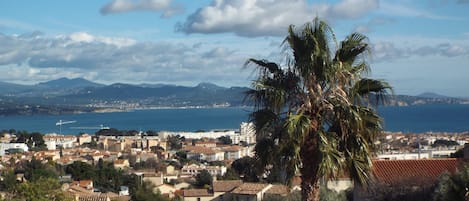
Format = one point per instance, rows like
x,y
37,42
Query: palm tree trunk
x,y
310,167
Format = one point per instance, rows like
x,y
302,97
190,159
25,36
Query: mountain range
x,y
66,95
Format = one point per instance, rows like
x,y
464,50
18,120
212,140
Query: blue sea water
x,y
415,119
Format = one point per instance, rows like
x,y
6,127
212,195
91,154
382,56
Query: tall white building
x,y
247,134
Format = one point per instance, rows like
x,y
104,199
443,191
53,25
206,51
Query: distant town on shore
x,y
68,96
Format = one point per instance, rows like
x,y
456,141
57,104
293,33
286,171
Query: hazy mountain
x,y
205,94
7,88
69,83
432,95
82,95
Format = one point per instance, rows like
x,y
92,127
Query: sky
x,y
417,45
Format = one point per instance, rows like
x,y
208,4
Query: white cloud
x,y
354,8
120,6
83,37
267,17
85,55
388,51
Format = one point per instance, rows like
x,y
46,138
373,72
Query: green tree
x,y
452,186
246,168
8,181
146,193
204,178
44,189
225,140
230,174
313,113
175,142
80,170
35,169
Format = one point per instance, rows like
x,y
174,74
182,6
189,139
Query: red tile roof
x,y
197,193
226,185
413,171
249,188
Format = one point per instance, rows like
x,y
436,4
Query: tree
x,y
452,186
80,170
44,189
146,193
175,142
35,169
314,114
230,174
246,168
225,140
204,178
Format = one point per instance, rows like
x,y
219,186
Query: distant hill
x,y
75,95
6,88
69,83
205,94
431,95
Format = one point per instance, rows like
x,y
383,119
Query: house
x,y
121,164
194,169
154,178
204,153
85,184
84,138
406,174
166,190
197,195
222,189
233,152
250,191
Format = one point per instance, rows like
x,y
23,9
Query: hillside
x,y
79,95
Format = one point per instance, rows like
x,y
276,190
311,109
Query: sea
x,y
406,119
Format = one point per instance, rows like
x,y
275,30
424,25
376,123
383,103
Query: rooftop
x,y
413,171
226,186
249,188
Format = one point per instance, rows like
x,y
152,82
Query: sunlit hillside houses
x,y
246,134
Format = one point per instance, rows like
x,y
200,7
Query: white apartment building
x,y
194,169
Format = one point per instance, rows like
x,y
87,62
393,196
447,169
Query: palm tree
x,y
315,113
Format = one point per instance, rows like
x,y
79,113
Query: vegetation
x,y
446,143
43,189
175,142
225,140
452,187
246,168
145,193
203,179
313,113
34,140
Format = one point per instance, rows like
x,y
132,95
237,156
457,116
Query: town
x,y
201,165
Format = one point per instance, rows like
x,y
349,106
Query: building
x,y
6,148
204,153
194,169
222,189
84,138
64,141
121,164
197,195
406,174
250,191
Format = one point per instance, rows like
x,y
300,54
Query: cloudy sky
x,y
418,45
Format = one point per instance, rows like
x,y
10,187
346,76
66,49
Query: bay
x,y
414,119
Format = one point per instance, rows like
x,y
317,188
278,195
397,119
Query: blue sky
x,y
418,45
